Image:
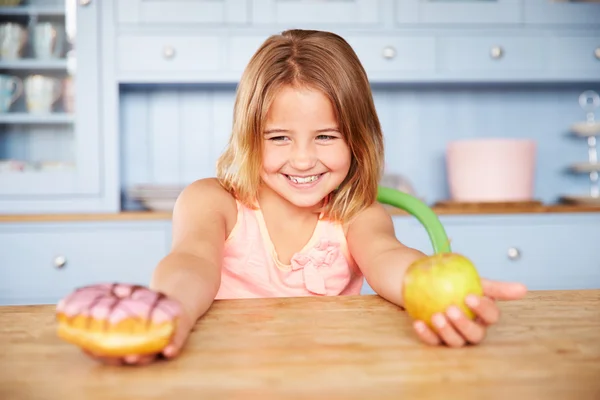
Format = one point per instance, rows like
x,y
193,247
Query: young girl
x,y
293,209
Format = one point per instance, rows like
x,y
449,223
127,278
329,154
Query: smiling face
x,y
304,155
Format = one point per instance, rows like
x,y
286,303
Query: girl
x,y
293,209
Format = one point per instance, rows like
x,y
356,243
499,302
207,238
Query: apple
x,y
432,284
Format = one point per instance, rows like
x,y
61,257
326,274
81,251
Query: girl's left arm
x,y
382,259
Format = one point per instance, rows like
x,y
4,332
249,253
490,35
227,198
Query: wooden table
x,y
546,346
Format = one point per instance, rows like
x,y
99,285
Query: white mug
x,y
13,38
48,40
41,92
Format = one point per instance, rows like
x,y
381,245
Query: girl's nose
x,y
303,157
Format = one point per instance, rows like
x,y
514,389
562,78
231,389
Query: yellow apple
x,y
434,283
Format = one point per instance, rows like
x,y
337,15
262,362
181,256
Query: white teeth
x,y
306,179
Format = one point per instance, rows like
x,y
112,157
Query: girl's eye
x,y
278,138
325,137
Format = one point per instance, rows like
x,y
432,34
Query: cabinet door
x,y
145,12
458,11
333,12
44,262
49,124
573,12
543,252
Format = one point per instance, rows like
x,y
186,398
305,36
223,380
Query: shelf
x,y
153,216
26,118
32,10
34,63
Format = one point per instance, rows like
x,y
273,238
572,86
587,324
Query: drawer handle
x,y
496,52
389,52
85,2
514,253
169,52
60,262
597,53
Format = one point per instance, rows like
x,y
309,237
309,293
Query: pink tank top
x,y
251,267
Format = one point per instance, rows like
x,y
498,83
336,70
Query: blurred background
x,y
490,110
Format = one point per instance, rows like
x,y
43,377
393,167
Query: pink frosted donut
x,y
117,319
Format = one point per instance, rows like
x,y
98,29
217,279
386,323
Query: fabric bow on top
x,y
321,256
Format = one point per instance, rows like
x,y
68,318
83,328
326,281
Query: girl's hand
x,y
455,330
170,351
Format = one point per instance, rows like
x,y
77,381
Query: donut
x,y
117,319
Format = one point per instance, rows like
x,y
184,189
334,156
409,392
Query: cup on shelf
x,y
41,92
13,38
11,87
48,40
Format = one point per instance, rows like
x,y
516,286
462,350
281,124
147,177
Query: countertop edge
x,y
166,216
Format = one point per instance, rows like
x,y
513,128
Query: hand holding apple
x,y
450,303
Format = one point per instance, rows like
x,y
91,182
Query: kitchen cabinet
x,y
542,251
51,144
480,12
560,12
42,262
155,12
356,13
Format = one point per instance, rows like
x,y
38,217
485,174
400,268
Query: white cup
x,y
48,40
41,92
13,38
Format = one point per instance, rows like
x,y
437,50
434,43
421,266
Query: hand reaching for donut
x,y
123,324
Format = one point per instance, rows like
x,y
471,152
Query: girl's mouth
x,y
304,180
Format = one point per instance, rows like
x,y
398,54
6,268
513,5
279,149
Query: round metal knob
x,y
514,253
168,52
597,53
60,262
84,2
496,52
389,52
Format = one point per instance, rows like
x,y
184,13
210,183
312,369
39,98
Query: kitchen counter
x,y
357,347
457,209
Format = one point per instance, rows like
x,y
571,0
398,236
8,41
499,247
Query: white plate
x,y
585,167
163,205
586,128
580,199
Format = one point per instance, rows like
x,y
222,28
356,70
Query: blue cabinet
x,y
467,12
556,12
545,251
51,145
293,13
153,12
42,262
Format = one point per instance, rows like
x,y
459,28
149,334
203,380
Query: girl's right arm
x,y
203,216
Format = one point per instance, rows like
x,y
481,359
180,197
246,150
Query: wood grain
x,y
357,347
443,209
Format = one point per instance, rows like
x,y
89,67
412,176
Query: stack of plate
x,y
156,197
590,130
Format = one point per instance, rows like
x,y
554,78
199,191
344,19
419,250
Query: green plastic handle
x,y
421,211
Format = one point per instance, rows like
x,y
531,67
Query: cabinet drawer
x,y
388,54
42,265
544,253
580,53
145,12
167,53
491,53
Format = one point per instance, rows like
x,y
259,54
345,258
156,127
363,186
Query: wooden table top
x,y
547,346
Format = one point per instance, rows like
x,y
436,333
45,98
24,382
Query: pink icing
x,y
115,302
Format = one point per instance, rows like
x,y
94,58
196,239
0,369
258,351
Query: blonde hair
x,y
323,61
